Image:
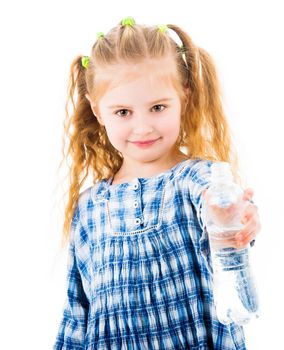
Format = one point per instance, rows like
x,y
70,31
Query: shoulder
x,y
87,199
90,198
194,177
84,212
201,169
195,169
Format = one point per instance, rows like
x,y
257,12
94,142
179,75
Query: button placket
x,y
138,220
134,227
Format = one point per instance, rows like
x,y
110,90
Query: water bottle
x,y
234,288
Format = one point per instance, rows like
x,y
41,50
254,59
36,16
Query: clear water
x,y
235,292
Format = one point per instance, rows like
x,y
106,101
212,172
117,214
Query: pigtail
x,y
205,130
78,115
192,123
216,127
216,122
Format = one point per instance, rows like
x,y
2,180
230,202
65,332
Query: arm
x,y
198,182
73,324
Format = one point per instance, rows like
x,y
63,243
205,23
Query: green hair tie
x,y
85,61
162,28
128,21
100,35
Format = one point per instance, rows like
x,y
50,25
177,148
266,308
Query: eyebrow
x,y
151,103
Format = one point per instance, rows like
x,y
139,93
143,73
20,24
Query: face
x,y
141,112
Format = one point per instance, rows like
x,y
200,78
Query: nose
x,y
142,126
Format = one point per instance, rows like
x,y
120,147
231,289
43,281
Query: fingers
x,y
251,210
231,241
245,238
250,221
248,194
217,242
249,231
247,234
237,241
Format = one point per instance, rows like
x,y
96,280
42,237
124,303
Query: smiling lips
x,y
144,143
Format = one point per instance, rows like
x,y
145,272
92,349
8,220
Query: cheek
x,y
116,132
170,127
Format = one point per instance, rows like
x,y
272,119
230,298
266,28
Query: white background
x,y
39,39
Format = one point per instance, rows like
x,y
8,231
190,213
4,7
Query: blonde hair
x,y
204,131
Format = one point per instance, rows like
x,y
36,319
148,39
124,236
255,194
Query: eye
x,y
122,114
159,108
125,112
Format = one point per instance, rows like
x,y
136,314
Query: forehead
x,y
150,70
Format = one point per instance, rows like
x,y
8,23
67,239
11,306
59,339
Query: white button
x,y
135,204
137,221
136,185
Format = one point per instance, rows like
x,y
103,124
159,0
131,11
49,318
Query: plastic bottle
x,y
234,288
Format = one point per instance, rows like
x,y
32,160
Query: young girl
x,y
148,122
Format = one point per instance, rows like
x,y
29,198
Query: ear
x,y
94,108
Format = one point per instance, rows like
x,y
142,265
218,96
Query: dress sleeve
x,y
199,180
73,324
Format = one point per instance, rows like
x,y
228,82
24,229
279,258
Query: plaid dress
x,y
139,269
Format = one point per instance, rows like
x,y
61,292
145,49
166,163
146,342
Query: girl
x,y
148,122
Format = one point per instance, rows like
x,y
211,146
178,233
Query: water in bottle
x,y
234,289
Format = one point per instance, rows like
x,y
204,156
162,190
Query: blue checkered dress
x,y
139,270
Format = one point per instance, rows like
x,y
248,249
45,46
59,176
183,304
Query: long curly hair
x,y
204,131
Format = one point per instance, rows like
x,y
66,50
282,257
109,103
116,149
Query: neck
x,y
132,169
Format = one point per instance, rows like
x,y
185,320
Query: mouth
x,y
145,143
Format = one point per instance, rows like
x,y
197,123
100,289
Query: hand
x,y
221,215
251,221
